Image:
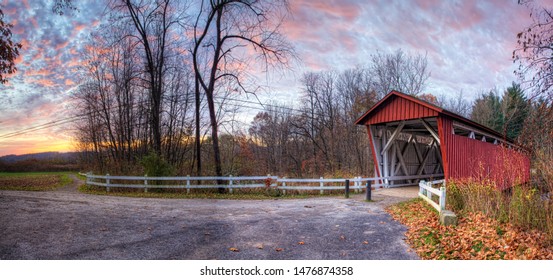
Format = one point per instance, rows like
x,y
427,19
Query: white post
x,y
145,183
187,184
421,189
88,179
442,198
230,184
429,193
107,182
321,184
284,185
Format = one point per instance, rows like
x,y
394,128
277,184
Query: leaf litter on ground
x,y
476,237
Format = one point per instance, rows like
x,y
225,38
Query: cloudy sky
x,y
468,44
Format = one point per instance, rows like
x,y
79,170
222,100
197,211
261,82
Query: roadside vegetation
x,y
33,181
260,193
493,224
476,237
521,206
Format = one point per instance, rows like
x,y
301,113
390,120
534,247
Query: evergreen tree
x,y
515,110
487,111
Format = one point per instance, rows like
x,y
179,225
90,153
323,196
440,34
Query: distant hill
x,y
48,161
47,156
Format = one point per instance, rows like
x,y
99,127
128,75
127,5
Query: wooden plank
x,y
430,201
402,162
421,167
431,130
393,137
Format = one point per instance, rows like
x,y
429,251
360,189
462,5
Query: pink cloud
x,y
44,82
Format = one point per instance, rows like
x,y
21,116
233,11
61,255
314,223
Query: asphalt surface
x,y
70,225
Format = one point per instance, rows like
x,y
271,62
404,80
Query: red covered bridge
x,y
410,137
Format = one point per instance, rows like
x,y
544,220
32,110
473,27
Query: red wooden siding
x,y
397,108
466,158
377,168
445,124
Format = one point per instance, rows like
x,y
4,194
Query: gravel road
x,y
66,224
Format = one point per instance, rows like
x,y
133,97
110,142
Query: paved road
x,y
70,225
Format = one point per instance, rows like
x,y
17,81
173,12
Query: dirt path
x,y
66,224
71,187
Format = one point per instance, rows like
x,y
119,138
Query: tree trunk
x,y
215,139
198,143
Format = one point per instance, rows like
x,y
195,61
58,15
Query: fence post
x,y
429,193
442,198
347,188
321,184
187,184
368,194
88,180
421,189
107,182
145,182
358,185
284,185
230,184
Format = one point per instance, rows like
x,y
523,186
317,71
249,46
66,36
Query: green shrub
x,y
156,166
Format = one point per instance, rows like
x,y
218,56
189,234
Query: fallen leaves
x,y
301,243
476,237
234,249
365,242
279,249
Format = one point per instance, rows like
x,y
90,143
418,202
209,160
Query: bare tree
x,y
535,49
224,32
399,71
457,104
153,22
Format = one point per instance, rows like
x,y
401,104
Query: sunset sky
x,y
469,46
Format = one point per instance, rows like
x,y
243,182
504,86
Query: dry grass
x,y
476,237
520,206
33,181
254,193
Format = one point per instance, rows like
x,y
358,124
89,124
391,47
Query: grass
x,y
476,237
33,181
256,194
521,206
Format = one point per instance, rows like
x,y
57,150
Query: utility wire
x,y
221,101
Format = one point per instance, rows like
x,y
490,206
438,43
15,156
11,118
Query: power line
x,y
66,120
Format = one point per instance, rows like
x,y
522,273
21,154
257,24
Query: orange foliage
x,y
476,237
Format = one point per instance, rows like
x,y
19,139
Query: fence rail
x,y
426,191
242,182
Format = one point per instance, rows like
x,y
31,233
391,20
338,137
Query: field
x,y
33,181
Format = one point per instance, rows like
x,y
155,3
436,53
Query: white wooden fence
x,y
426,190
243,182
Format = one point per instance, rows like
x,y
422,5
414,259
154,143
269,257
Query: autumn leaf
x,y
301,243
279,249
234,249
365,242
342,237
475,237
